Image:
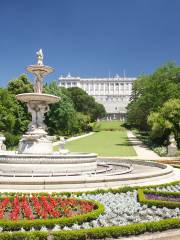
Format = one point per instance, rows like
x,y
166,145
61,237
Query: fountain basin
x,y
47,164
42,69
41,97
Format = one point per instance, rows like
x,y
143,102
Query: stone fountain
x,y
35,154
36,141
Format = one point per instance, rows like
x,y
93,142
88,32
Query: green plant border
x,y
9,225
175,166
159,203
95,233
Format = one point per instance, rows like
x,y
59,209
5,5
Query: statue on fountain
x,y
40,57
38,87
37,113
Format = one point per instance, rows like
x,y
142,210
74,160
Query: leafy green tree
x,y
62,117
151,92
20,85
13,119
86,104
166,121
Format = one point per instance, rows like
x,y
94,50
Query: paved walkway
x,y
165,235
142,150
74,138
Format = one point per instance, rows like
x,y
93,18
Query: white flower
x,y
56,228
43,228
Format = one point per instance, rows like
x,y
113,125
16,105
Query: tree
x,y
166,121
13,119
86,104
62,119
20,85
150,92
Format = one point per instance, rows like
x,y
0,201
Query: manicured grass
x,y
178,153
106,125
104,143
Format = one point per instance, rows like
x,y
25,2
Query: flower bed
x,y
45,210
160,199
169,162
42,207
123,216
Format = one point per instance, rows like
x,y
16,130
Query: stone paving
x,y
142,150
74,138
165,235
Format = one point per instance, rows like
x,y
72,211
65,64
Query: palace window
x,y
117,86
91,86
101,87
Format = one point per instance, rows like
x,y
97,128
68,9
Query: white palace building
x,y
113,92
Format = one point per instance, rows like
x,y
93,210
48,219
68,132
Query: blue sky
x,y
88,37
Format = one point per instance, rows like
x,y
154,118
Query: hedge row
x,y
95,233
159,203
9,225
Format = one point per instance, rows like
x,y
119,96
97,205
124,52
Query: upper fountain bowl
x,y
41,69
27,97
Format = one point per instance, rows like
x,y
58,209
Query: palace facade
x,y
113,92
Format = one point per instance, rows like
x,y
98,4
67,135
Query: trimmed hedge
x,y
9,225
159,203
95,233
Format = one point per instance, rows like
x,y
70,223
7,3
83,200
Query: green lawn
x,y
106,125
104,143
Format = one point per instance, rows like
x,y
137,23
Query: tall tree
x,y
86,104
13,118
166,121
20,85
151,92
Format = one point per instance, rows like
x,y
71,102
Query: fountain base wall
x,y
29,164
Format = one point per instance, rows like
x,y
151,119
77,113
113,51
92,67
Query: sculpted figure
x,y
2,145
40,57
40,115
32,110
38,86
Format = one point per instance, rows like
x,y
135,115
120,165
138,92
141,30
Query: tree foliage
x,y
150,92
71,115
153,98
13,117
166,121
20,85
86,104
